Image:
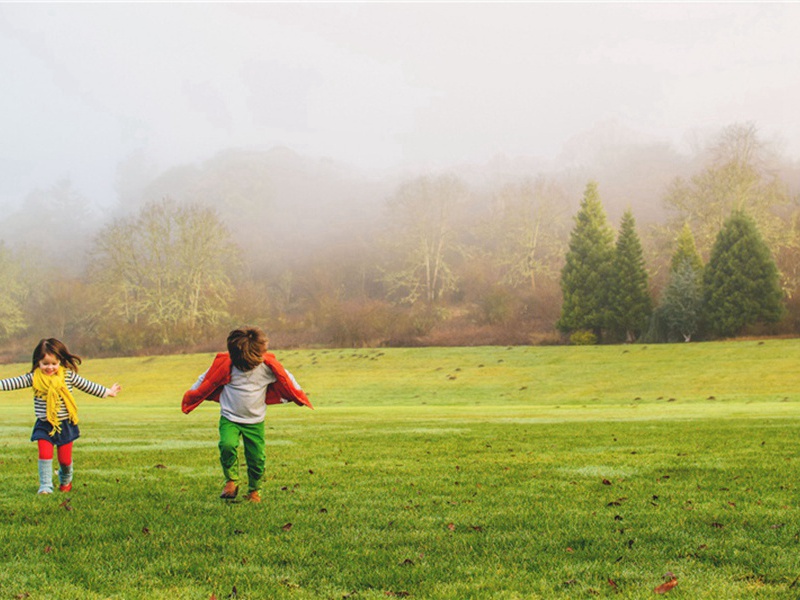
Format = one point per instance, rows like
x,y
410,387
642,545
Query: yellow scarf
x,y
53,389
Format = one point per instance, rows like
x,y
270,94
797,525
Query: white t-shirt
x,y
242,400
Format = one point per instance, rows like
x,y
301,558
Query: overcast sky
x,y
376,85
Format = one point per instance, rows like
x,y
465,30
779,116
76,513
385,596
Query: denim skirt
x,y
69,432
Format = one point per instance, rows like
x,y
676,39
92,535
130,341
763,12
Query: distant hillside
x,y
285,204
277,200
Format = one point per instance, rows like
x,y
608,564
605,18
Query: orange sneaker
x,y
254,496
229,491
65,488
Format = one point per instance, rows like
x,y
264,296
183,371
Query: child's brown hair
x,y
246,347
58,349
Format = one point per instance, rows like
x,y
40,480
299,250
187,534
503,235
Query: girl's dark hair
x,y
57,349
246,347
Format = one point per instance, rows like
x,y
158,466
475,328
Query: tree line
x,y
606,293
442,262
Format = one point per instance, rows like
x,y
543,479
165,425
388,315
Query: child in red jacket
x,y
244,380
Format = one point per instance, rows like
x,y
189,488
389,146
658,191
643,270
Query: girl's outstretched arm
x,y
90,387
16,383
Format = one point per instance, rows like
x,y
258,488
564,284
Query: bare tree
x,y
739,176
787,255
529,229
167,268
422,215
58,216
12,319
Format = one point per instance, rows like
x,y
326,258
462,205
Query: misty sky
x,y
377,86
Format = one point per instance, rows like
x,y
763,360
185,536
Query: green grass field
x,y
521,472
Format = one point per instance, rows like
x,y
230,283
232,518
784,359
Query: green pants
x,y
252,435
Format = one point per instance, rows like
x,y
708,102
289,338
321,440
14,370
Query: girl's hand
x,y
114,390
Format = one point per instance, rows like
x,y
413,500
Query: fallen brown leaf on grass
x,y
665,587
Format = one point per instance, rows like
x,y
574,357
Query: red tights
x,y
64,452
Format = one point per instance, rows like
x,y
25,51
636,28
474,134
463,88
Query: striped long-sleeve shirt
x,y
72,379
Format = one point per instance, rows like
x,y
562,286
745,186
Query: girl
x,y
54,373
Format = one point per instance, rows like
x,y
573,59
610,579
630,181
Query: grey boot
x,y
45,476
65,476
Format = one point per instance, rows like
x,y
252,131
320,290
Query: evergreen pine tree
x,y
629,300
686,251
680,309
585,276
741,282
682,302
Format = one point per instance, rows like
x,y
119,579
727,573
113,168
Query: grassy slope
x,y
437,473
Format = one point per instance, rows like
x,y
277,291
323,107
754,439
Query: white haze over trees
x,y
88,87
307,130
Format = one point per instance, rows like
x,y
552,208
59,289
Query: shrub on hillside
x,y
583,337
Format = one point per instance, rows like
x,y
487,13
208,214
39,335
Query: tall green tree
x,y
686,251
586,273
680,309
741,282
629,298
682,302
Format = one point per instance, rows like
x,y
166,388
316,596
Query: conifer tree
x,y
680,309
686,251
629,299
682,302
585,276
741,282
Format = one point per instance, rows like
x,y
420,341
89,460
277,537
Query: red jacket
x,y
283,389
